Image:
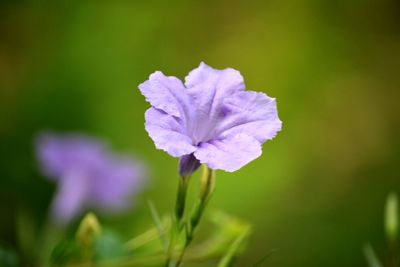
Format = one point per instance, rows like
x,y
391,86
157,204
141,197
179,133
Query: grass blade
x,y
159,225
371,257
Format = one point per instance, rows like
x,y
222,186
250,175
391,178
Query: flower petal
x,y
167,133
227,79
114,185
251,113
70,199
165,93
229,154
58,155
207,87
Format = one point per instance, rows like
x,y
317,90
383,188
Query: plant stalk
x,y
207,186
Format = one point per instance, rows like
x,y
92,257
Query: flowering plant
x,y
212,120
208,120
88,174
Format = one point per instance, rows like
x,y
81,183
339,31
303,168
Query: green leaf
x,y
65,251
26,230
149,236
391,217
8,258
159,225
371,257
263,259
239,229
108,246
230,255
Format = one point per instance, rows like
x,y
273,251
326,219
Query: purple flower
x,y
88,174
211,117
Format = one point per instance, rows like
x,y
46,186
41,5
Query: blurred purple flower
x,y
211,118
88,174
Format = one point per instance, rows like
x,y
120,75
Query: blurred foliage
x,y
226,239
391,218
8,258
316,193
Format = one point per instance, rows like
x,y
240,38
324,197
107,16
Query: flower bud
x,y
207,183
89,229
188,164
391,217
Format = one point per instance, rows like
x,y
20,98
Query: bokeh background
x,y
315,196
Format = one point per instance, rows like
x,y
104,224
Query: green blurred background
x,y
315,196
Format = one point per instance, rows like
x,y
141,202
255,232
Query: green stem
x,y
181,198
179,213
207,186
